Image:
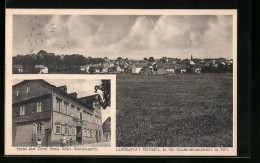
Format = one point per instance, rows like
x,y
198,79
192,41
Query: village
x,y
160,66
147,66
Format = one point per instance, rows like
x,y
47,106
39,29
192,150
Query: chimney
x,y
63,88
74,94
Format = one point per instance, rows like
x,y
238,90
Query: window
x,y
58,105
72,113
28,89
88,133
66,132
62,129
57,128
84,132
39,128
22,110
66,107
72,131
75,129
17,93
39,107
91,134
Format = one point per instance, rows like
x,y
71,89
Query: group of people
x,y
64,141
38,142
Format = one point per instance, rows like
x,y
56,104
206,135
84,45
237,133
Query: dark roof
x,y
88,100
166,65
196,66
180,66
53,87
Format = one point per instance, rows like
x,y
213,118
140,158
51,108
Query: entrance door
x,y
99,136
48,137
79,135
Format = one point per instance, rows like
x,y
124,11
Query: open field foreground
x,y
186,110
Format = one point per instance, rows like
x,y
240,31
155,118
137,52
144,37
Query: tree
x,y
145,59
151,59
91,70
105,88
163,59
119,58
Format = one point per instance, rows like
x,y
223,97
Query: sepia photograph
x,y
175,70
61,113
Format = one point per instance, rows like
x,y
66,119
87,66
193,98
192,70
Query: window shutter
x,y
62,129
43,128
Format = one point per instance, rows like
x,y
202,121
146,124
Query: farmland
x,y
185,110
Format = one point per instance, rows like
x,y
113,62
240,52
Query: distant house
x,y
146,71
97,70
41,69
107,130
128,69
136,68
105,67
180,68
120,69
82,68
161,71
196,69
85,68
192,63
111,64
17,68
170,68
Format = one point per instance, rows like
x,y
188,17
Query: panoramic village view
x,y
44,63
174,73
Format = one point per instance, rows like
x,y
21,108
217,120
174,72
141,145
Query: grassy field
x,y
186,110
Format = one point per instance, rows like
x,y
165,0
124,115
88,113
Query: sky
x,y
126,36
83,88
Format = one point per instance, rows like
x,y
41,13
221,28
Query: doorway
x,y
79,135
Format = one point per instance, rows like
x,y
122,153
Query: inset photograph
x,y
61,112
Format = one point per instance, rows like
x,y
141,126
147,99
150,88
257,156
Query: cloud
x,y
138,36
127,36
179,34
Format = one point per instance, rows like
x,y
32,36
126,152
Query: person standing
x,y
39,142
96,137
64,141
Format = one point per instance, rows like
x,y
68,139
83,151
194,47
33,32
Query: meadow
x,y
184,110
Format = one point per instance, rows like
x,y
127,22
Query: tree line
x,y
67,63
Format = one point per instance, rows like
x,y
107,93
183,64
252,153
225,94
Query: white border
x,y
9,150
